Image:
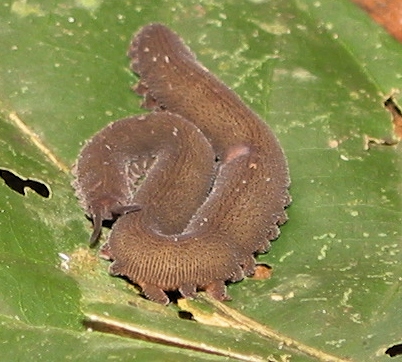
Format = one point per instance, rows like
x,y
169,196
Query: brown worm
x,y
208,174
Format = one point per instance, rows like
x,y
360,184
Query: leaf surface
x,y
316,72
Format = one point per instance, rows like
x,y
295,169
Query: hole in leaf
x,y
186,315
18,184
395,350
396,114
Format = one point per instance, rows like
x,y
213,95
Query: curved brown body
x,y
182,238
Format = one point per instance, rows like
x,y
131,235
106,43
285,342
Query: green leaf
x,y
317,72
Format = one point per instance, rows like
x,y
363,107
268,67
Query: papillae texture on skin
x,y
208,175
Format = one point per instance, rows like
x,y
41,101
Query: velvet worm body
x,y
201,182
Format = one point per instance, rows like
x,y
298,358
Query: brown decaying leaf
x,y
387,13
